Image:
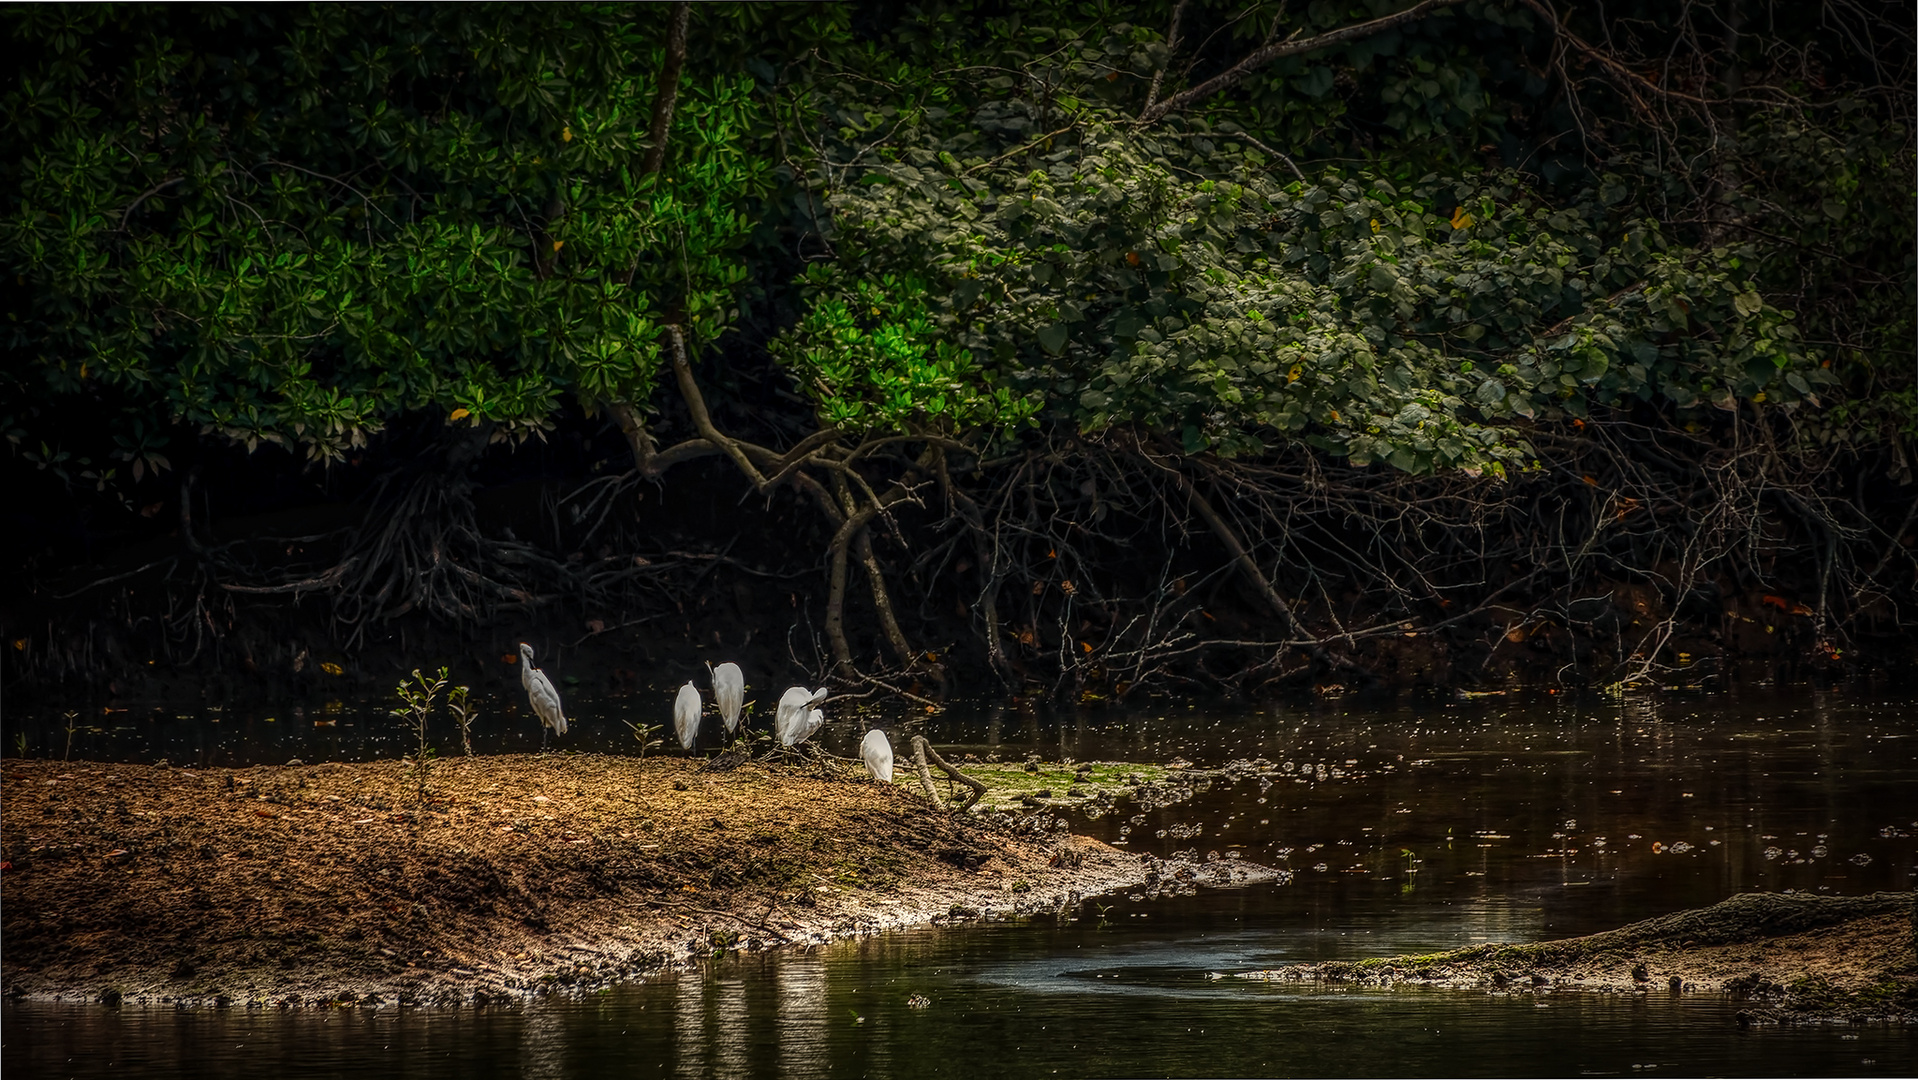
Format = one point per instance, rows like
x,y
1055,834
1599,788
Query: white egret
x,y
545,699
796,713
729,691
686,710
876,751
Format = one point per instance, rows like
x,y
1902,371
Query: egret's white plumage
x,y
729,692
796,718
876,751
686,710
539,689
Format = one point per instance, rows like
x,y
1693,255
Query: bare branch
x,y
921,749
702,419
1289,47
1629,81
925,774
1171,47
1017,150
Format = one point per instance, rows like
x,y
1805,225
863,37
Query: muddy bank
x,y
1794,958
514,875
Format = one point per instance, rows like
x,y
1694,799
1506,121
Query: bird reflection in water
x,y
542,1045
800,987
712,1029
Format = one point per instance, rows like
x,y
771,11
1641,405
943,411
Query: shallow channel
x,y
1407,826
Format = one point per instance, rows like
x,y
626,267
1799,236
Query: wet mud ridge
x,y
515,875
1792,958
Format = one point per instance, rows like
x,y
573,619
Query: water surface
x,y
1431,825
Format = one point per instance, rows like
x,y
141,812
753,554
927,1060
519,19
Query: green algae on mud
x,y
1056,785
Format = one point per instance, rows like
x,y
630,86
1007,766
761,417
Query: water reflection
x,y
689,1028
542,1045
1013,1000
800,983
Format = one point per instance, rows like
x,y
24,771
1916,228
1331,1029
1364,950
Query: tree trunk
x,y
882,599
667,99
836,615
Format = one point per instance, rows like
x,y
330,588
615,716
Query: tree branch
x,y
1171,47
664,102
637,437
702,419
1256,577
875,578
1289,47
925,774
1017,150
921,750
1628,80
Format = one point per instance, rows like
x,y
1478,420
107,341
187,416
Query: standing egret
x,y
876,751
545,699
729,691
790,722
686,710
815,719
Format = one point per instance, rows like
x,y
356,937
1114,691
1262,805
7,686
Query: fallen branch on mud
x,y
921,750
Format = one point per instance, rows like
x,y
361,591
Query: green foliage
x,y
291,225
879,359
1837,197
1422,310
1173,283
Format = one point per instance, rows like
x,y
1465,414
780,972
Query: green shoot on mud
x,y
72,726
648,736
463,714
416,705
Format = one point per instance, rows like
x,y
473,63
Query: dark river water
x,y
1408,826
